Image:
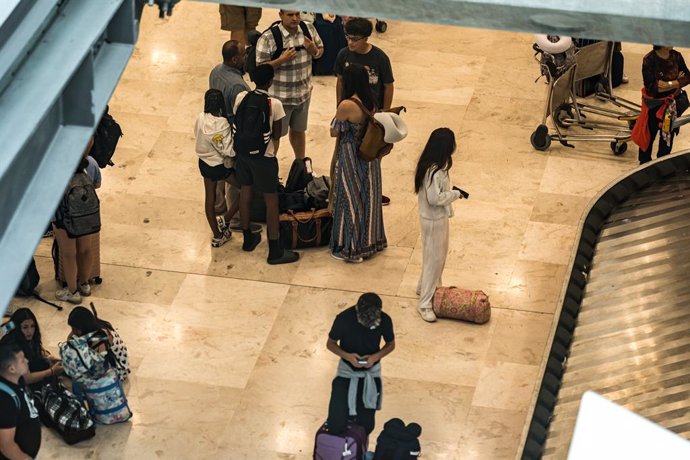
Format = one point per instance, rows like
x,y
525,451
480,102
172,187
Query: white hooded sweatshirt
x,y
213,139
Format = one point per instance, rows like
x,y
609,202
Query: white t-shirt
x,y
277,113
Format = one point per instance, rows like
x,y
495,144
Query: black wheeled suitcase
x,y
333,36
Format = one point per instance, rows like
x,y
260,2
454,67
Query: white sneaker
x,y
66,296
427,314
85,289
224,238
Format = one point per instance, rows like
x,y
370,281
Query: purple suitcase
x,y
350,445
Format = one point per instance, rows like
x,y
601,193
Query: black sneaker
x,y
288,257
385,201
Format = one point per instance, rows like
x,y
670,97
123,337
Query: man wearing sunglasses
x,y
360,51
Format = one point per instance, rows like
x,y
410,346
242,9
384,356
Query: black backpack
x,y
79,212
250,57
27,286
105,139
299,175
398,442
251,127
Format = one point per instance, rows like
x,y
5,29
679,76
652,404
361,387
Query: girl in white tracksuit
x,y
435,195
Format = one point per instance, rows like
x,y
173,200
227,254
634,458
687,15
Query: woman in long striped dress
x,y
356,202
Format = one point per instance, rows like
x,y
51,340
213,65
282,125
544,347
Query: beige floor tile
x,y
505,386
535,286
494,434
577,177
550,243
439,408
381,273
519,337
555,208
174,180
209,301
140,130
150,97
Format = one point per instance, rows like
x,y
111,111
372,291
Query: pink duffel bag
x,y
464,304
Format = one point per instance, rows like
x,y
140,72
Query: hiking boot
x,y
224,238
251,240
427,314
85,289
66,296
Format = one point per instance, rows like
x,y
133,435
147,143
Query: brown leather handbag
x,y
305,229
373,145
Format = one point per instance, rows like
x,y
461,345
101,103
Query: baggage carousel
x,y
623,326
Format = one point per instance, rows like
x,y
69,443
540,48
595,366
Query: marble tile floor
x,y
229,353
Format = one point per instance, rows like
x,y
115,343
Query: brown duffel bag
x,y
306,229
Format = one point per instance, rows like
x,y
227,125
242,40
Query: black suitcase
x,y
333,36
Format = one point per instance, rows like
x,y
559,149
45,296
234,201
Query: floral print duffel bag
x,y
464,304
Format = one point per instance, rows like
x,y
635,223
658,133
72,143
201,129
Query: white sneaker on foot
x,y
224,238
427,314
85,289
66,296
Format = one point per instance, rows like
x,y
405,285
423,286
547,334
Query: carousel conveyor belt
x,y
628,337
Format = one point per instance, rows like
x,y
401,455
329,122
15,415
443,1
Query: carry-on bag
x,y
398,441
62,411
105,397
464,304
350,445
307,229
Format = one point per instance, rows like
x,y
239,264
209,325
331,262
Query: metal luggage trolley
x,y
594,60
565,111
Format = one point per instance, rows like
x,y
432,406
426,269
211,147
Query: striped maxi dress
x,y
356,205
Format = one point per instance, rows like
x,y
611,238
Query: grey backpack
x,y
79,212
317,192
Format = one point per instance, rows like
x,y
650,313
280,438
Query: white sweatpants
x,y
435,234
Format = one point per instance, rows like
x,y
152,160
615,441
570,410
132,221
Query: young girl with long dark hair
x,y
27,336
435,195
356,184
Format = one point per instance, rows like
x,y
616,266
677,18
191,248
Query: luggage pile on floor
x,y
304,218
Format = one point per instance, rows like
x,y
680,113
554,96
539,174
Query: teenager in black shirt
x,y
20,427
356,338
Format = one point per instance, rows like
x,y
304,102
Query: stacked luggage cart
x,y
563,71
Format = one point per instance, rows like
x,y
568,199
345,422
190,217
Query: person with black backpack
x,y
290,47
255,130
77,219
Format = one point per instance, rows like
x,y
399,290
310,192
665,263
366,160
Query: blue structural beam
x,y
59,63
650,21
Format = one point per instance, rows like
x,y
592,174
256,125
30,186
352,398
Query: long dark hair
x,y
32,349
214,103
80,318
437,154
356,83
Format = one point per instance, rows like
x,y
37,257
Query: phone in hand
x,y
6,328
464,194
362,360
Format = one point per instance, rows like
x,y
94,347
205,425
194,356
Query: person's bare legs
x,y
210,206
298,141
84,258
240,36
272,213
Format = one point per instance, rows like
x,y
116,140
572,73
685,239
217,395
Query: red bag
x,y
464,304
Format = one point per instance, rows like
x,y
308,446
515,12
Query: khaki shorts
x,y
239,17
296,118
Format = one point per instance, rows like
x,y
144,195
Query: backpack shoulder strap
x,y
278,38
362,107
6,389
305,30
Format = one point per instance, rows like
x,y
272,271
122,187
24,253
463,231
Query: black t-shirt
x,y
24,419
377,64
352,337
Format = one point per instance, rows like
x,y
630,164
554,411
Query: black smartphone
x,y
464,194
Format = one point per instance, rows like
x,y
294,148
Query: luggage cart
x,y
592,60
560,98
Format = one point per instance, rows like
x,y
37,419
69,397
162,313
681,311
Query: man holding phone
x,y
356,338
293,73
